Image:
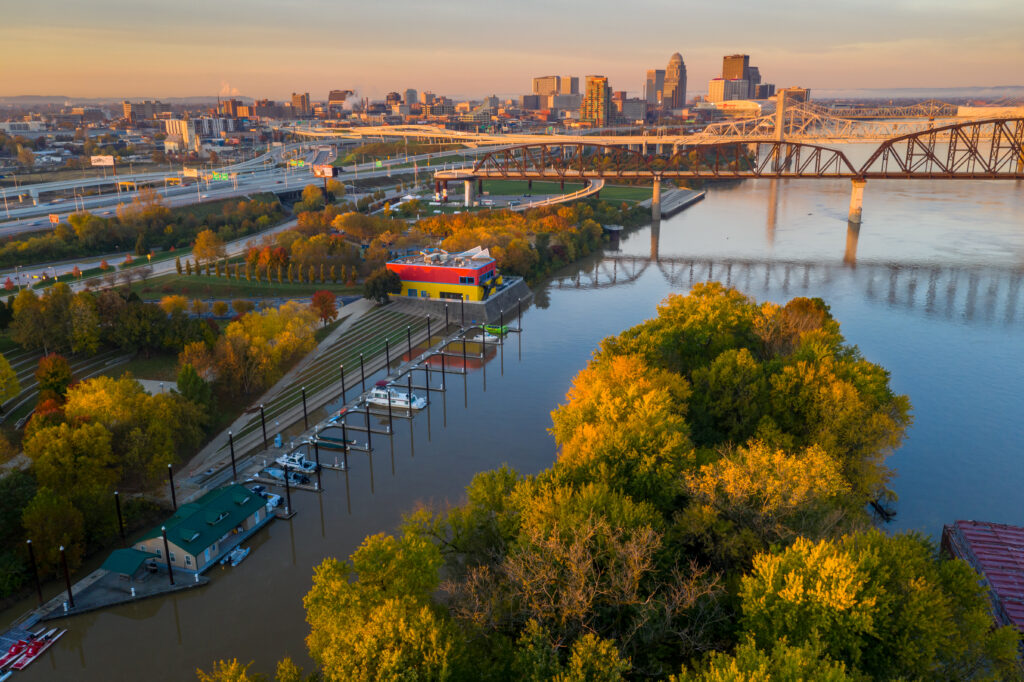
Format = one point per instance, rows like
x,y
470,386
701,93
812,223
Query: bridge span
x,y
990,149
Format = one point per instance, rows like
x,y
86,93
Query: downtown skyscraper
x,y
674,92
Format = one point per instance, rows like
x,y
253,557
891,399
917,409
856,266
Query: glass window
x,y
172,557
159,554
412,292
188,560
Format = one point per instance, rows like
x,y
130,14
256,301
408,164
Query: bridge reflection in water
x,y
979,294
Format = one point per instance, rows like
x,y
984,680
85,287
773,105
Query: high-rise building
x,y
392,98
654,85
674,94
570,85
596,101
724,90
736,67
764,90
229,107
531,102
300,103
145,110
546,85
562,102
754,78
411,96
427,97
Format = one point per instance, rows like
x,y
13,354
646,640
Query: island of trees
x,y
707,518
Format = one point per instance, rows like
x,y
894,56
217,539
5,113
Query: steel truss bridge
x,y
977,294
977,150
800,122
931,108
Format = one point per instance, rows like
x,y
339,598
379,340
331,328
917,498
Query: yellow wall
x,y
470,292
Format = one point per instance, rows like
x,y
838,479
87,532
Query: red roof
x,y
995,550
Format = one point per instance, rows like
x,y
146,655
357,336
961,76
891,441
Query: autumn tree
x,y
324,304
51,521
9,386
312,198
174,304
53,375
208,247
884,605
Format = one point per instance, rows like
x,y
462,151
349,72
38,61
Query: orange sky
x,y
268,48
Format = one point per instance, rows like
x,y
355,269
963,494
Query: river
x,y
930,288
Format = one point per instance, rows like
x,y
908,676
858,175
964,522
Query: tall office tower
x,y
546,85
427,97
736,67
570,85
754,78
229,107
392,98
411,96
654,85
300,103
674,94
597,101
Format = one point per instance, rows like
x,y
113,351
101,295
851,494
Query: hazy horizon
x,y
270,48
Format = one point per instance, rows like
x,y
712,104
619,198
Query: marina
x,y
486,418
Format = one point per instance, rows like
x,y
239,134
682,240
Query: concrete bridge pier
x,y
857,199
656,201
468,184
852,235
644,149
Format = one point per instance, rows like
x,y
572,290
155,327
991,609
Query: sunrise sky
x,y
268,48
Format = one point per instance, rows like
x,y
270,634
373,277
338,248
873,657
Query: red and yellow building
x,y
469,276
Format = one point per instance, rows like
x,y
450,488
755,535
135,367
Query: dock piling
x,y
120,519
342,368
305,414
316,450
35,571
389,410
387,356
170,478
67,574
288,494
231,444
362,373
408,340
263,425
167,557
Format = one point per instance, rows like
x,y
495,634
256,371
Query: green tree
x,y
194,389
379,284
51,521
390,629
53,375
28,327
85,324
9,386
781,662
230,671
882,604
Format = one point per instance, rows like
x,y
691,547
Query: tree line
x,y
143,225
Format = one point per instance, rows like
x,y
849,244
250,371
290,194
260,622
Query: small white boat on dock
x,y
296,462
399,399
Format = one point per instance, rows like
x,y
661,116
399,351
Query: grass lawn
x,y
159,367
201,286
625,193
7,345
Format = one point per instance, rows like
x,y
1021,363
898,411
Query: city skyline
x,y
108,49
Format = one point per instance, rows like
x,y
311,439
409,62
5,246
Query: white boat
x,y
238,555
296,462
400,399
485,338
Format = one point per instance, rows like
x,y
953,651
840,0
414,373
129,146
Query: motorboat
x,y
238,555
400,399
296,462
36,648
